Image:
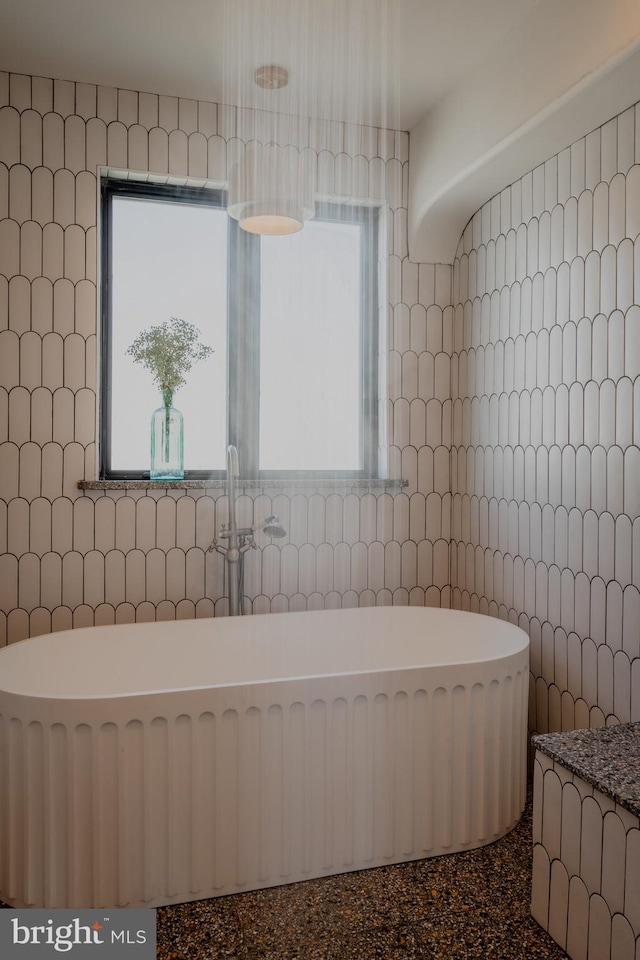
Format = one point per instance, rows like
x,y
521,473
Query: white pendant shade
x,y
277,56
271,190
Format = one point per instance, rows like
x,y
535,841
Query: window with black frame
x,y
292,321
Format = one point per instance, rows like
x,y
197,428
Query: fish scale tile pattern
x,y
77,558
586,868
545,455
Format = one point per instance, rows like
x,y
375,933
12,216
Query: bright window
x,y
292,322
310,360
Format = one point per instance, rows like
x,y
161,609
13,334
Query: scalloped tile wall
x,y
69,558
545,458
586,866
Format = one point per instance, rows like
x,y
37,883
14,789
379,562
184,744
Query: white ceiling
x,y
175,47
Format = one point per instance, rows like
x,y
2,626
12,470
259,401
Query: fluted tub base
x,y
150,798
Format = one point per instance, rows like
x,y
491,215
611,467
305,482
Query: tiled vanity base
x,y
586,835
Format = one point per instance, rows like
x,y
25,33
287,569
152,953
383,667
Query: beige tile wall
x,y
545,461
69,558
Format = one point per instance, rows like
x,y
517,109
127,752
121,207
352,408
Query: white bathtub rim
x,y
91,645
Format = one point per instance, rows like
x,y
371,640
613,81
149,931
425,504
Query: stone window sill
x,y
321,483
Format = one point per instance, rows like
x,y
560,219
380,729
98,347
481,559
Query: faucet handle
x,y
214,545
246,541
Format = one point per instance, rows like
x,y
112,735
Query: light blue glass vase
x,y
167,442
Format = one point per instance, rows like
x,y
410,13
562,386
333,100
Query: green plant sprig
x,y
168,351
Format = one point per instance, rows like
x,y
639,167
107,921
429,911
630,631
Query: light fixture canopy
x,y
271,76
271,190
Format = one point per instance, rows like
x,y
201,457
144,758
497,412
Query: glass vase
x,y
167,444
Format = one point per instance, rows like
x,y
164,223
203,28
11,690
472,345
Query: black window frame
x,y
243,332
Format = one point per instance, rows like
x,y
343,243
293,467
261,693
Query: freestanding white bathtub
x,y
158,763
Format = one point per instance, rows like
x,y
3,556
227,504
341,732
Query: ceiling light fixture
x,y
271,190
315,74
271,187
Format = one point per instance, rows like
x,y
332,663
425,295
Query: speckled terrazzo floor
x,y
473,905
469,905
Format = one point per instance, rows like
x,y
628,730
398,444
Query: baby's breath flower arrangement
x,y
168,351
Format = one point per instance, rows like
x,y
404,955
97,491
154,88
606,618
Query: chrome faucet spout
x,y
232,461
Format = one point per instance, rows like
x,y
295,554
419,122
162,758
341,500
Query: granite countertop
x,y
606,757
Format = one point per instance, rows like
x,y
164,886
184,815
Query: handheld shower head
x,y
271,526
275,529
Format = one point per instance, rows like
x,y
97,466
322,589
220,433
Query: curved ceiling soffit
x,y
439,214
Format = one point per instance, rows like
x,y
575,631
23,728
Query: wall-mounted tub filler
x,y
239,539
